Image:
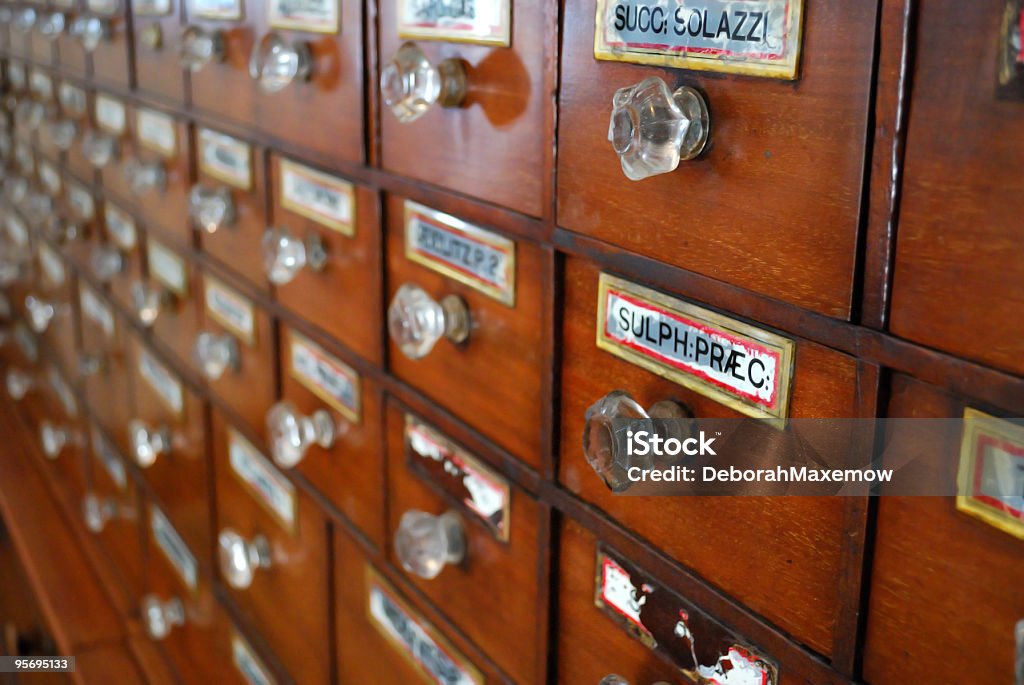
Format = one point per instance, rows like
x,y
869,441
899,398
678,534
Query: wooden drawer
x,y
790,577
104,365
505,308
112,117
63,436
81,210
223,87
345,219
43,51
769,140
48,168
501,560
111,60
161,157
502,127
287,600
71,56
20,43
156,32
55,292
928,560
123,245
75,157
176,283
350,472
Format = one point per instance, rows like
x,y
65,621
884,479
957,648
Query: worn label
x,y
17,230
990,479
110,459
415,639
316,16
163,381
247,663
96,310
230,10
72,99
41,84
461,476
110,114
487,22
106,7
738,365
151,8
51,264
753,37
120,227
167,268
230,310
225,158
49,176
269,486
479,258
174,548
326,376
156,131
327,200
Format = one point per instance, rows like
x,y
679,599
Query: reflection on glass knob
x,y
215,353
90,364
200,47
425,543
613,679
19,383
152,37
291,433
15,189
98,511
55,438
161,617
211,208
51,26
653,128
284,254
99,148
416,322
145,176
148,444
148,301
40,313
63,133
24,20
410,84
241,558
274,63
91,31
106,261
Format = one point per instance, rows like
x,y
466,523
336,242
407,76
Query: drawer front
x,y
42,50
112,117
768,140
223,86
500,563
927,561
350,472
156,35
505,306
107,379
20,40
62,435
111,60
345,219
122,236
56,287
79,207
176,283
502,125
797,538
288,599
161,153
71,56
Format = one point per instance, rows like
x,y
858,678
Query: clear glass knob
x,y
99,148
16,189
38,207
19,383
284,254
241,558
425,543
63,133
291,433
274,63
410,85
152,37
98,511
55,438
62,231
144,177
200,47
90,364
25,20
215,353
211,208
653,128
82,205
52,25
148,444
416,321
148,301
92,31
107,262
161,617
40,313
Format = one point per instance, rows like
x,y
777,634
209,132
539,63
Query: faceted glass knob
x,y
144,177
106,262
25,20
425,543
653,128
284,254
40,313
18,383
215,353
274,63
200,47
147,443
148,301
161,617
416,322
91,31
99,148
240,558
410,85
63,133
211,208
291,433
51,26
55,438
98,511
152,37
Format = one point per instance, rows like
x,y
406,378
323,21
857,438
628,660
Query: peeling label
x,y
225,158
247,663
231,310
174,548
110,114
270,487
487,22
991,473
315,16
327,377
95,309
51,264
163,381
167,268
327,200
120,227
110,459
156,131
216,9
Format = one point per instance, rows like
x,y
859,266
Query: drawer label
x,y
50,178
247,663
327,200
96,310
487,22
990,480
316,16
174,548
752,37
230,310
155,130
225,158
81,201
72,99
16,74
107,7
26,341
415,639
121,227
326,376
110,114
151,8
167,268
51,265
216,9
41,84
110,459
163,381
459,475
738,365
270,487
471,255
667,623
17,230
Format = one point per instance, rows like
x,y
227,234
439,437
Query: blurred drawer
x,y
436,487
219,79
71,55
23,22
103,365
272,551
437,260
44,94
324,392
170,301
63,437
111,145
116,260
791,579
501,128
755,209
41,40
107,34
77,106
929,617
340,222
50,307
156,34
158,175
79,220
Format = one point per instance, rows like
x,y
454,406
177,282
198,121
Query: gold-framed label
x,y
314,16
156,131
751,37
326,376
96,310
218,10
163,381
225,158
327,200
232,311
743,367
151,8
174,549
990,478
111,115
485,22
247,663
120,227
469,254
167,268
267,485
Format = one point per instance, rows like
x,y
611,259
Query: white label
x,y
111,461
247,663
98,311
50,178
216,9
156,131
618,591
316,16
110,114
16,229
225,158
121,227
167,268
267,483
325,376
151,8
107,7
51,264
72,99
325,199
466,21
231,310
163,381
42,84
174,548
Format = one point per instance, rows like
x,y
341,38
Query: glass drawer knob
x,y
292,434
284,254
55,438
99,148
161,617
52,25
410,85
63,133
82,206
18,383
200,47
425,543
144,177
62,231
148,301
416,322
25,20
106,262
40,313
215,353
211,208
148,443
274,63
99,511
92,31
240,558
29,114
